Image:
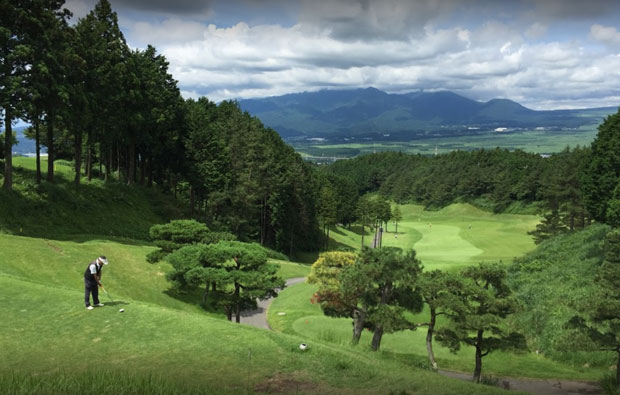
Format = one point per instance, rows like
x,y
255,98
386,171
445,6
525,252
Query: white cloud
x,y
606,34
479,48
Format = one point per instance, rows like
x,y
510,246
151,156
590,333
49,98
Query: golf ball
x,y
121,311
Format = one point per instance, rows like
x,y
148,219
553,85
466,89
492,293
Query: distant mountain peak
x,y
371,111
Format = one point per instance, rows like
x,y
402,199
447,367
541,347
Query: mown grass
x,y
305,319
44,334
455,236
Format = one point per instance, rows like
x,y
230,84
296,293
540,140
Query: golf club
x,y
112,300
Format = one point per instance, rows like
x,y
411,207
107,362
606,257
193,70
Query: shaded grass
x,y
95,209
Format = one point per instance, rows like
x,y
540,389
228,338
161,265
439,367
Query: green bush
x,y
550,283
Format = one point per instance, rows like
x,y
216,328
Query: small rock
x,y
586,365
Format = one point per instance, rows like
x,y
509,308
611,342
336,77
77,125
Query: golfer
x,y
92,280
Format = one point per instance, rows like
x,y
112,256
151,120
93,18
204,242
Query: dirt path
x,y
258,318
536,386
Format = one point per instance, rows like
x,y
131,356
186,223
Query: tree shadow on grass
x,y
414,360
94,210
357,229
194,297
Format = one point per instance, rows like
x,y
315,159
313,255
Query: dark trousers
x,y
91,289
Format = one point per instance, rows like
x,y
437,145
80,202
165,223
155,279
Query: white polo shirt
x,y
93,267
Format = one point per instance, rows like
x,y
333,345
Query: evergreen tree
x,y
15,58
397,216
386,278
477,321
441,292
601,174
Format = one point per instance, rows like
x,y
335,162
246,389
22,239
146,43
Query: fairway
x,y
46,335
457,235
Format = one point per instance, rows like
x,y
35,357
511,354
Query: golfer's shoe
x,y
99,305
90,308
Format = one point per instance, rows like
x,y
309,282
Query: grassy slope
x,y
45,332
553,281
95,209
443,239
304,319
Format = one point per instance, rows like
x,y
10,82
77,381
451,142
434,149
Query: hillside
x,y
163,342
94,210
369,112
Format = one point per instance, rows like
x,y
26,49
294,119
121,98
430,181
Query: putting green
x,y
457,235
441,244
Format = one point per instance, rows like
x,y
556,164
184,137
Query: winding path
x,y
258,318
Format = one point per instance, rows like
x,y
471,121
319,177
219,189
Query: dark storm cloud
x,y
175,7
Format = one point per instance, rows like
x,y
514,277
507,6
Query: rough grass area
x,y
62,211
552,282
455,236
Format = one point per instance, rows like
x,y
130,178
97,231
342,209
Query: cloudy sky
x,y
545,54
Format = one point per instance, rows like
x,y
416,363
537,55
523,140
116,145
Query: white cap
x,y
103,260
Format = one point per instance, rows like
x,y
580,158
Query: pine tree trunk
x,y
618,370
89,161
429,339
192,200
478,368
108,164
376,338
78,157
143,170
37,138
118,161
101,176
237,302
327,241
50,148
150,172
131,164
359,317
8,151
362,236
205,294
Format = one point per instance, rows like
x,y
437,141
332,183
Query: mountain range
x,y
369,111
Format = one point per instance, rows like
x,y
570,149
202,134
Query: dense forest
x,y
118,115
